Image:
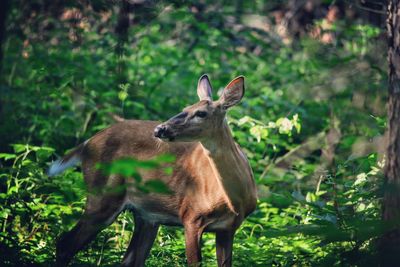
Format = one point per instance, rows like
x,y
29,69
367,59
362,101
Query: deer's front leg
x,y
224,242
193,233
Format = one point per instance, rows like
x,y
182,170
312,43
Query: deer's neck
x,y
229,165
221,143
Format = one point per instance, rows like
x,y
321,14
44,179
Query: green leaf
x,y
126,167
7,156
18,148
157,186
165,158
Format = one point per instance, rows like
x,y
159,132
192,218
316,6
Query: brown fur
x,y
212,184
193,181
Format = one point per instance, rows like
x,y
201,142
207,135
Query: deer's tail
x,y
69,160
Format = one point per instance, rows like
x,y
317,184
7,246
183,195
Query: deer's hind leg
x,y
99,213
224,243
141,243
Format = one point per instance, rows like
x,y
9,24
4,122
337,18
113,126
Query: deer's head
x,y
201,120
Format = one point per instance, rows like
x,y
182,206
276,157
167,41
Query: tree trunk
x,y
390,242
4,9
4,6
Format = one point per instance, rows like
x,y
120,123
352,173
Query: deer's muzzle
x,y
163,132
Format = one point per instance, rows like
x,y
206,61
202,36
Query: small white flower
x,y
285,125
42,244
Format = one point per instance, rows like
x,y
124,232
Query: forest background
x,y
312,122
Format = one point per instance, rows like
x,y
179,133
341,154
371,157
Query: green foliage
x,y
33,207
130,169
310,124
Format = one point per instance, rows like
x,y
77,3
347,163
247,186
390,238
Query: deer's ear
x,y
232,93
204,89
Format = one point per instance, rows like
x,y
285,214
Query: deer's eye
x,y
201,114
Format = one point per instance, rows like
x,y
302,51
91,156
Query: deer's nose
x,y
160,131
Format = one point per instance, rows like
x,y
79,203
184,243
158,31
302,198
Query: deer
x,y
212,184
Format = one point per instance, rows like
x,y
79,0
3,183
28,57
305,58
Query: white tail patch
x,y
61,165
